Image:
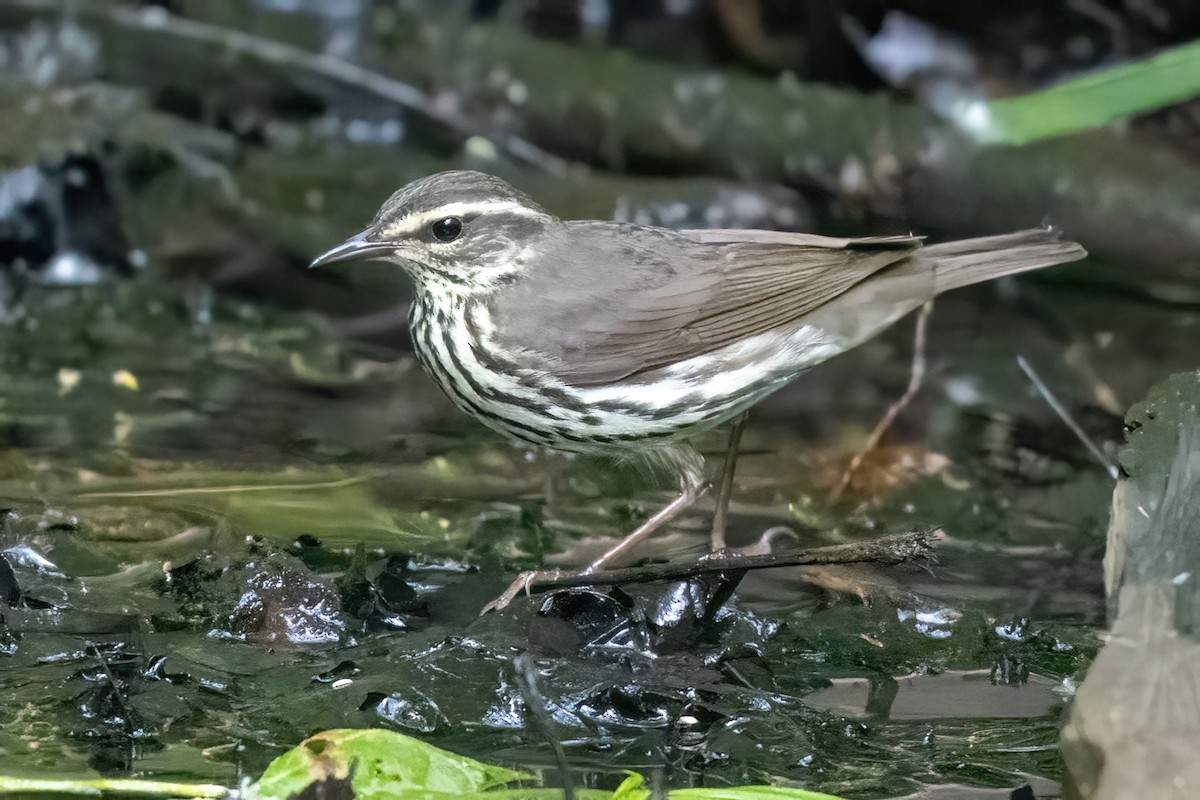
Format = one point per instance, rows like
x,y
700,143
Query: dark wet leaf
x,y
581,621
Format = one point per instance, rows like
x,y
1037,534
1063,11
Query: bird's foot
x,y
523,583
667,513
765,544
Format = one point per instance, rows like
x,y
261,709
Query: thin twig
x,y
116,687
915,379
123,787
338,70
535,702
1067,419
884,551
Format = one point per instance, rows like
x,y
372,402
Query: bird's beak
x,y
356,247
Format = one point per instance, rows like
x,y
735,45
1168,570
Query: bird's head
x,y
457,231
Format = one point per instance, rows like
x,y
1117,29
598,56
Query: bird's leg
x,y
688,465
765,543
667,513
725,487
664,515
915,379
691,470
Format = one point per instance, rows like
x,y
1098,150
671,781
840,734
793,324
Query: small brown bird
x,y
617,339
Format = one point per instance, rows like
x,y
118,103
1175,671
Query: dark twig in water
x,y
526,672
889,550
1067,419
118,695
155,18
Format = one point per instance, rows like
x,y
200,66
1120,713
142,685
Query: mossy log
x,y
1134,727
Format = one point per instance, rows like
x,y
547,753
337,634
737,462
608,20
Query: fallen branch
x,y
1125,199
883,551
155,19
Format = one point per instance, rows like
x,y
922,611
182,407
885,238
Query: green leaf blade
x,y
1092,100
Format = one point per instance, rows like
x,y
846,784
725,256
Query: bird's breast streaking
x,y
519,394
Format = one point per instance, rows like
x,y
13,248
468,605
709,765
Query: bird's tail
x,y
969,261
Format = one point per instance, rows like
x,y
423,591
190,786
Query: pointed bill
x,y
356,247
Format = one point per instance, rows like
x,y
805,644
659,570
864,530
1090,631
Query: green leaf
x,y
378,764
382,765
1089,101
632,788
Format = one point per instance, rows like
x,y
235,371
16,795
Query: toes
x,y
524,582
765,544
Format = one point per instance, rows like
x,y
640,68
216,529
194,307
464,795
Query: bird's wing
x,y
770,279
788,239
632,300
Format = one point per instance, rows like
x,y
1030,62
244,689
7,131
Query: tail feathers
x,y
969,261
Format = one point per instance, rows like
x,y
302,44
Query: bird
x,y
623,340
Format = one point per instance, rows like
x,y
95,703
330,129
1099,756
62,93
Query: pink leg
x,y
725,488
668,512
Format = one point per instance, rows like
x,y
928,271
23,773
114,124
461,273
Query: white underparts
x,y
751,367
680,400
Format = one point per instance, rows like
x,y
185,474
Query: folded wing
x,y
632,304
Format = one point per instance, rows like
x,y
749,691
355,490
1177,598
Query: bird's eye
x,y
447,230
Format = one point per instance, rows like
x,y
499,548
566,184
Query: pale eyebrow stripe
x,y
415,222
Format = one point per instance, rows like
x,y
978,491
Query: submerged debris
x,y
59,223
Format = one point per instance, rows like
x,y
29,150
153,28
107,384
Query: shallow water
x,y
275,533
